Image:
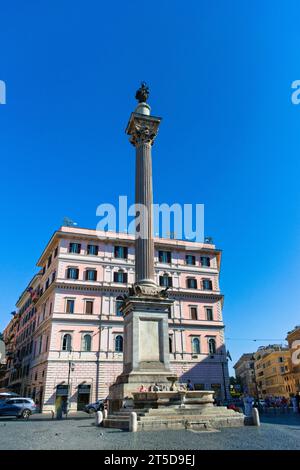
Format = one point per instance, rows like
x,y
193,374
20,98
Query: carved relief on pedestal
x,y
144,290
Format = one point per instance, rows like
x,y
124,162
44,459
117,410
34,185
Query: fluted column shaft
x,y
143,129
144,243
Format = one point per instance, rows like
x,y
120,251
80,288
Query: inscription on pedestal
x,y
149,340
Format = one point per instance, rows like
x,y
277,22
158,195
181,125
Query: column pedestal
x,y
146,353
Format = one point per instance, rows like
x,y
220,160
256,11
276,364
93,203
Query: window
x,y
56,252
121,252
53,276
194,313
190,259
74,248
282,370
170,344
70,306
195,346
49,261
212,346
46,346
67,342
207,284
205,261
120,277
119,303
164,257
72,273
91,275
199,386
191,283
119,343
209,314
89,304
165,281
92,250
40,344
280,359
87,343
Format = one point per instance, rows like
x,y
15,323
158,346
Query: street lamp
x,y
71,368
223,373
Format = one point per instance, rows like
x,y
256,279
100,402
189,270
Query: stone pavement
x,y
79,432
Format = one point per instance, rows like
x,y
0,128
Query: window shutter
x,y
79,248
116,252
170,281
115,277
125,278
161,281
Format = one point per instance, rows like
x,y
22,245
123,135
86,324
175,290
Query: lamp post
x,y
71,368
223,373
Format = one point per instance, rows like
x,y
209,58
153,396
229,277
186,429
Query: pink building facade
x,y
69,337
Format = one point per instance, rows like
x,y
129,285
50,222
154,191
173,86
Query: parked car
x,y
6,395
18,407
99,405
235,404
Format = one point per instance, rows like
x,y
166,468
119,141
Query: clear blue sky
x,y
220,74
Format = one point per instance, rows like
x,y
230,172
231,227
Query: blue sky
x,y
220,74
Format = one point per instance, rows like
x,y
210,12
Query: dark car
x,y
98,405
18,407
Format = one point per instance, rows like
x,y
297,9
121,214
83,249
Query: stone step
x,y
202,422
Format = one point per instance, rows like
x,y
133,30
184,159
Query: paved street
x,y
79,432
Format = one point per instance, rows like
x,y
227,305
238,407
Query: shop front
x,y
83,396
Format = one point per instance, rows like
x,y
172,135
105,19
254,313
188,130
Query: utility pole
x,y
71,368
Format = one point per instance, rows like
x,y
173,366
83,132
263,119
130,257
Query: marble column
x,y
143,129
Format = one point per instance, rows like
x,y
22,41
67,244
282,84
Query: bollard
x,y
133,422
255,416
99,418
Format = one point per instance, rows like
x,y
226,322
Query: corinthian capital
x,y
142,130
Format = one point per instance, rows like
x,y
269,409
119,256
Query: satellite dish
x,y
69,222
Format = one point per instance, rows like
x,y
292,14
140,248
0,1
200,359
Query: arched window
x,y
119,343
119,302
170,344
67,342
195,346
212,346
87,343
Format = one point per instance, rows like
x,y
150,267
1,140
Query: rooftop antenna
x,y
69,222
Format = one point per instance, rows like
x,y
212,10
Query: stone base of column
x,y
146,349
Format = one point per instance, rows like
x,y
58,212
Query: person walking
x,y
248,404
294,404
298,401
189,385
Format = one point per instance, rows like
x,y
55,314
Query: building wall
x,y
270,366
97,369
